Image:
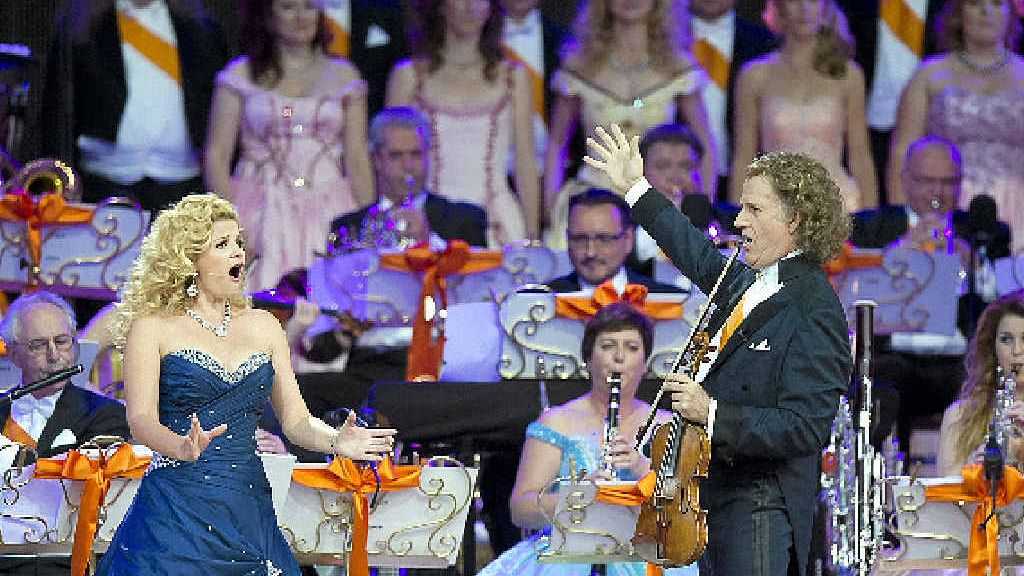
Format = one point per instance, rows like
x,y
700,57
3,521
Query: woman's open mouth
x,y
235,272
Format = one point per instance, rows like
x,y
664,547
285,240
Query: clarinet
x,y
611,424
1001,426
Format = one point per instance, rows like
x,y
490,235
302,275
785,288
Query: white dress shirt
x,y
721,34
153,138
619,281
31,413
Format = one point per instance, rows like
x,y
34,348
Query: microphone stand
x,y
993,465
17,392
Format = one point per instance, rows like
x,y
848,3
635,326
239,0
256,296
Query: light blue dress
x,y
522,560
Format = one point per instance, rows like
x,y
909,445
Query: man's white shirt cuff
x,y
637,190
712,408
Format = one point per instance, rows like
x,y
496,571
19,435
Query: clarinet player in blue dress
x,y
200,365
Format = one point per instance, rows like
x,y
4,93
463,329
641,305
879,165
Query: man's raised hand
x,y
617,156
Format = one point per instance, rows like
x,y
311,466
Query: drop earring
x,y
192,291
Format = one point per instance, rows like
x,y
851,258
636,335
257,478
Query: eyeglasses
x,y
62,342
949,182
599,240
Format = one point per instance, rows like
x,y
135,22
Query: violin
x,y
672,529
270,300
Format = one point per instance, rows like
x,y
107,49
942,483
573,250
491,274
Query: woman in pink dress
x,y
972,95
301,119
480,109
807,97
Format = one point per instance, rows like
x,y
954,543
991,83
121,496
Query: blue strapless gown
x,y
212,516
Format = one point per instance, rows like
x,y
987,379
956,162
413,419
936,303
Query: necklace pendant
x,y
638,103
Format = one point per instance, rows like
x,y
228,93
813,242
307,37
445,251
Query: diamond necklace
x,y
986,68
220,330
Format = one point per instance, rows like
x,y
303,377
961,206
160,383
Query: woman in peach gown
x,y
479,106
300,116
806,97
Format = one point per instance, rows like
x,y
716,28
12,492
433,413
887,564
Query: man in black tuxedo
x,y
769,395
928,368
723,43
399,144
377,42
600,239
39,330
127,98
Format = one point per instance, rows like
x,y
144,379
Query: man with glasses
x,y
600,239
39,331
927,369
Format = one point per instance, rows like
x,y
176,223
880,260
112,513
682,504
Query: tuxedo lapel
x,y
109,57
434,209
761,314
66,413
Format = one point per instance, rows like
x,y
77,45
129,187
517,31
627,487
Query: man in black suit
x,y
600,239
928,368
723,44
372,36
128,95
769,395
399,144
39,330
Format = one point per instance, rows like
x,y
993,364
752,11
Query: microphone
x,y
982,222
43,382
697,208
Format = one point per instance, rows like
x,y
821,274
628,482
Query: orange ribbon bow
x,y
983,550
20,206
853,259
426,350
96,473
633,494
343,475
583,308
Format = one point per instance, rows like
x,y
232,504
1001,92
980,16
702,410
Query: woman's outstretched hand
x,y
360,443
617,156
198,439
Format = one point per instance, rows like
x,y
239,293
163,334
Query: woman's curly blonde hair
x,y
808,192
667,37
167,261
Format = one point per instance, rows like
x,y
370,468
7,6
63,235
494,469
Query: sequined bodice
x,y
989,130
192,381
582,451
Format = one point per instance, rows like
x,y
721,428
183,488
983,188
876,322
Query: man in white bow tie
x,y
39,331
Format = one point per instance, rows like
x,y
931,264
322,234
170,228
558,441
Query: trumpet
x,y
611,423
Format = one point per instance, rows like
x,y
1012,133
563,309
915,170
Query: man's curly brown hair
x,y
808,192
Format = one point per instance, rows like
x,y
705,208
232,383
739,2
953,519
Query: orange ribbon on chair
x,y
20,206
425,351
851,259
343,475
983,551
97,475
633,494
583,308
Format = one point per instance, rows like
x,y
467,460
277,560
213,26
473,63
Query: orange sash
x,y
15,432
344,476
583,308
631,495
983,551
426,350
536,81
97,475
340,40
162,54
713,61
20,206
905,24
